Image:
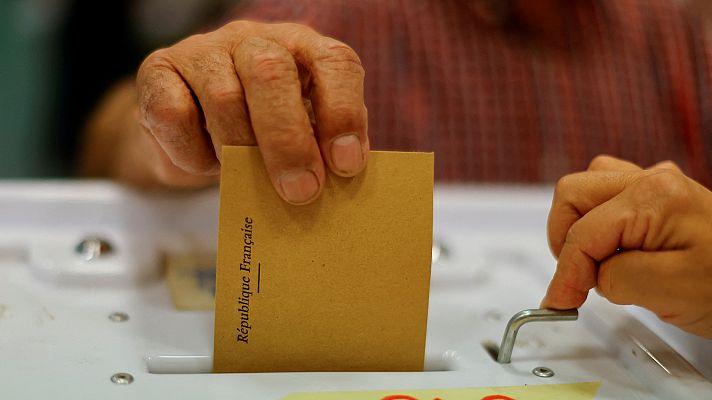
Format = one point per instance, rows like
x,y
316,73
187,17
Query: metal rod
x,y
504,356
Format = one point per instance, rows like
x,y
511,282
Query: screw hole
x,y
491,348
122,378
118,317
543,372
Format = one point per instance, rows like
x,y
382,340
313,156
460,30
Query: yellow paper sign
x,y
572,391
338,285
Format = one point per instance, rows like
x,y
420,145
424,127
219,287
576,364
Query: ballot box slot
x,y
203,364
491,348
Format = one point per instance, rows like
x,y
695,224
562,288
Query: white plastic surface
x,y
56,340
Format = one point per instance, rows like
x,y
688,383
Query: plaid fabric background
x,y
635,81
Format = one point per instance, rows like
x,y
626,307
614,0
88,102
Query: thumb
x,y
637,277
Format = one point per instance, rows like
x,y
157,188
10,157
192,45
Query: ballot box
x,y
87,309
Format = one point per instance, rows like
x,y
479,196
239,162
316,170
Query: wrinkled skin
x,y
295,93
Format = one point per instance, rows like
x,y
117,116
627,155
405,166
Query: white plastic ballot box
x,y
85,310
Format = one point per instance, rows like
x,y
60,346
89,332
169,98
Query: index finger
x,y
577,194
576,270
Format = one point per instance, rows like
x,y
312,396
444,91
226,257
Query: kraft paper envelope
x,y
338,285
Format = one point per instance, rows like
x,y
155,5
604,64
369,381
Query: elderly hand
x,y
295,93
639,236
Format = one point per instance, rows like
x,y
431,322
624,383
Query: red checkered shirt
x,y
634,80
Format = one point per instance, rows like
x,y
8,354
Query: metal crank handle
x,y
504,356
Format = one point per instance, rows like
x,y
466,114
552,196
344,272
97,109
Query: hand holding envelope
x,y
337,285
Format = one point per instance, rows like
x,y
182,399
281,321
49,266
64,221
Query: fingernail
x,y
346,154
300,186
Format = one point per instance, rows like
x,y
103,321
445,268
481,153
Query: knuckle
x,y
158,59
640,218
345,113
223,99
572,235
666,180
151,73
228,113
637,224
159,104
667,183
601,161
662,193
209,60
162,120
238,26
287,142
338,56
290,146
295,28
165,123
149,78
171,138
564,186
191,42
668,164
271,65
575,243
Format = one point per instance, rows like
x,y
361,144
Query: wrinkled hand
x,y
641,237
295,93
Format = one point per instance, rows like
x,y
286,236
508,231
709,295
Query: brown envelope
x,y
338,285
